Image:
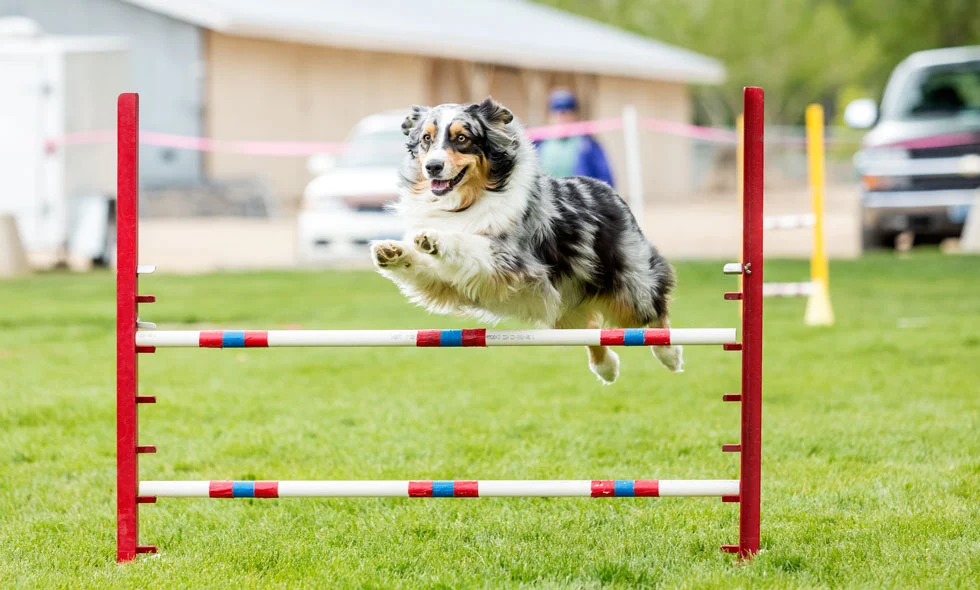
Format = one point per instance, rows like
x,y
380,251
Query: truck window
x,y
942,92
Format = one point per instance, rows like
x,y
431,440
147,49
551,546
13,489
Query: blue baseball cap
x,y
562,100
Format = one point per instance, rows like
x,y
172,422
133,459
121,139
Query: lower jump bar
x,y
596,488
425,338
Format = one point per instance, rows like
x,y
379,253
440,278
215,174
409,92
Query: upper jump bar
x,y
432,338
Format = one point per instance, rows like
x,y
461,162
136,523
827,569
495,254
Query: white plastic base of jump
x,y
401,489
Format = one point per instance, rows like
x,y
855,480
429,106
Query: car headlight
x,y
875,155
885,183
322,204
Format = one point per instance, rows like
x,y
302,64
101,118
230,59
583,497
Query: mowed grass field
x,y
871,440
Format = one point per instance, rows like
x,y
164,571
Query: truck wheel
x,y
873,238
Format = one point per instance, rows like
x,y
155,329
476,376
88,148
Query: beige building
x,y
305,70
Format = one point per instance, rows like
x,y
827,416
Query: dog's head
x,y
457,152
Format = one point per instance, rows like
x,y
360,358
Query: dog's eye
x,y
460,138
427,138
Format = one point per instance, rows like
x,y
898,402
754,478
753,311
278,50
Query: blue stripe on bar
x,y
243,489
233,339
624,488
442,489
633,337
451,338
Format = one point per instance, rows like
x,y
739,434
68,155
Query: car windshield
x,y
383,149
943,91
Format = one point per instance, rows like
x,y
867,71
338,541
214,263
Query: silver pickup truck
x,y
920,162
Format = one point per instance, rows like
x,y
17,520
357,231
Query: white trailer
x,y
57,96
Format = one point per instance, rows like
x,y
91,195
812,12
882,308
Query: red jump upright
x,y
127,299
752,269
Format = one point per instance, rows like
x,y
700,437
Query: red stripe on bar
x,y
475,337
602,488
420,489
267,489
656,337
466,489
612,337
428,337
220,489
210,339
646,488
256,339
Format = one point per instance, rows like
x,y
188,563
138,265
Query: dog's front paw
x,y
427,243
388,254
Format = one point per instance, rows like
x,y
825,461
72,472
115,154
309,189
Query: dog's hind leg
x,y
602,360
671,356
625,314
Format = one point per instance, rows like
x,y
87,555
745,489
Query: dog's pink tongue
x,y
440,184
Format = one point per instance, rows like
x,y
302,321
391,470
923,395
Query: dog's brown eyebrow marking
x,y
457,128
429,129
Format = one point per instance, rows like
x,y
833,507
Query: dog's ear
x,y
492,112
413,118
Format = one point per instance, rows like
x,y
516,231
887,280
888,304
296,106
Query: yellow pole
x,y
818,310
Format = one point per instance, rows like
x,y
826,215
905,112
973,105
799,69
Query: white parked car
x,y
344,205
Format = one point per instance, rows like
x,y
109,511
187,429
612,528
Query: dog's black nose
x,y
434,168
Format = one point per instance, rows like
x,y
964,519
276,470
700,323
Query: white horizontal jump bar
x,y
353,338
787,289
789,221
401,489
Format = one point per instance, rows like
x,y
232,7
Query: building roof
x,y
508,32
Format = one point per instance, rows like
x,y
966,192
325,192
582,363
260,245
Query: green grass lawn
x,y
871,442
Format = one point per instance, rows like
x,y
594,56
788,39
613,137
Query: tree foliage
x,y
801,51
901,27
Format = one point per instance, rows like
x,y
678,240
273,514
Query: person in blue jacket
x,y
580,155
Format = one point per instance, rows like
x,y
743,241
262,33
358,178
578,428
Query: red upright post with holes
x,y
752,260
127,228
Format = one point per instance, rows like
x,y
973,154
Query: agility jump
x,y
134,337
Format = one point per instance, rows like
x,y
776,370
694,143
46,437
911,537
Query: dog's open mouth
x,y
441,187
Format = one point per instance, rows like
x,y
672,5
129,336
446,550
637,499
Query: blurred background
x,y
271,129
270,138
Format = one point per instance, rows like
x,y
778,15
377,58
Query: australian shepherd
x,y
491,236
